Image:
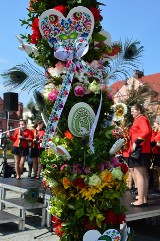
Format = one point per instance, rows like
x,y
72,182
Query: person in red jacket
x,y
140,135
155,143
21,138
36,149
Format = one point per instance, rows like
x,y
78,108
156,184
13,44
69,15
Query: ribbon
x,y
91,136
72,53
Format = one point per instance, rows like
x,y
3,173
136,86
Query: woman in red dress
x,y
21,138
140,135
36,149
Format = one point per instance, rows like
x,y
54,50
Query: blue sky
x,y
136,20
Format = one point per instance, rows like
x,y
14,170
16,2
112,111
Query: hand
x,y
8,134
134,146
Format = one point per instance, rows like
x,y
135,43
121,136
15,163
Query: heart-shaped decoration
x,y
79,23
108,235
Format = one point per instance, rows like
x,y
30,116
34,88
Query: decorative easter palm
x,y
79,60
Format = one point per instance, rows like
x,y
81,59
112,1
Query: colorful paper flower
x,y
52,96
120,109
79,91
96,14
61,8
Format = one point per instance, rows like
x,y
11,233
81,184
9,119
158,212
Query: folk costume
x,y
140,134
36,151
21,145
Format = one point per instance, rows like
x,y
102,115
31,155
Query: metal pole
x,y
7,120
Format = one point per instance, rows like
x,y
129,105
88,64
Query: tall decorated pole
x,y
79,60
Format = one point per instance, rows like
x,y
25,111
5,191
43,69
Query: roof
x,y
116,86
152,80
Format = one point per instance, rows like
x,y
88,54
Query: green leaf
x,y
79,213
105,237
99,37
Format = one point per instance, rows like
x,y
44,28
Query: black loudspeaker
x,y
10,101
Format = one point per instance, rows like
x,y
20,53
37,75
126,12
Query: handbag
x,y
135,155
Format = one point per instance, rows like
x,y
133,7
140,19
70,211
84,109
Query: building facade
x,y
10,120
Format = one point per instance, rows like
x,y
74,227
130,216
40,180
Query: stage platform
x,y
135,213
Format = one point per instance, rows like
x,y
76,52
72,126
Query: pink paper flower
x,y
79,91
52,96
60,66
95,64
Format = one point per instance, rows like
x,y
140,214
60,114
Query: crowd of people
x,y
27,147
143,150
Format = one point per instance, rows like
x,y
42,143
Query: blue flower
x,y
66,23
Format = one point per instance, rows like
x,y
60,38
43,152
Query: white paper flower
x,y
120,109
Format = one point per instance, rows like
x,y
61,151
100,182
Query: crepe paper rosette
x,y
80,120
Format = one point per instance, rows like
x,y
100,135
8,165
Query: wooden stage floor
x,y
135,213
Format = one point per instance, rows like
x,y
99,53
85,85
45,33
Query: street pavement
x,y
144,229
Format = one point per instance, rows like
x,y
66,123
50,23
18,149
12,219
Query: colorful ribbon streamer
x,y
72,54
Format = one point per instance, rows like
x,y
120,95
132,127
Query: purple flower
x,y
87,170
101,167
115,161
77,169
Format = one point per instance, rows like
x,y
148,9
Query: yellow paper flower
x,y
89,193
106,176
66,182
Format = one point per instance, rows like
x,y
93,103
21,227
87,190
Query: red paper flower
x,y
79,182
124,167
45,184
90,226
96,14
62,9
111,217
36,33
68,135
